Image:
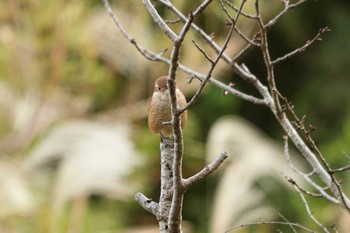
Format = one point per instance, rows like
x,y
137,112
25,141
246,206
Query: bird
x,y
159,111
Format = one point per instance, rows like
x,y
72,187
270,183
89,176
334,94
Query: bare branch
x,y
243,73
325,173
287,7
201,7
286,220
203,52
306,177
156,17
306,204
119,26
303,48
213,65
267,59
166,185
239,12
242,52
147,203
249,16
244,37
175,214
146,53
220,85
291,224
158,57
207,38
303,190
213,166
174,21
342,169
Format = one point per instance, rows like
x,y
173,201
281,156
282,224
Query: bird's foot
x,y
167,141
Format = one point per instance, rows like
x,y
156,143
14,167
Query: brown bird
x,y
159,110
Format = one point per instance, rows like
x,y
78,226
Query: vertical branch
x,y
267,59
166,185
175,215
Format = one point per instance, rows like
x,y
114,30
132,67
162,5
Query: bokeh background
x,y
74,141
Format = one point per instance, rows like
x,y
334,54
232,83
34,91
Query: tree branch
x,y
146,203
206,171
157,19
287,7
166,185
218,57
291,224
306,204
249,16
306,177
175,214
302,48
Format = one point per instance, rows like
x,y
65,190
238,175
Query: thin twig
x,y
238,11
302,48
286,220
244,50
317,195
244,37
306,204
124,33
203,52
174,21
342,169
270,223
213,65
249,16
287,7
267,59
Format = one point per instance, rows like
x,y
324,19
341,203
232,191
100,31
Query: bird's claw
x,y
167,141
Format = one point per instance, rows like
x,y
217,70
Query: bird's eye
x,y
159,88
